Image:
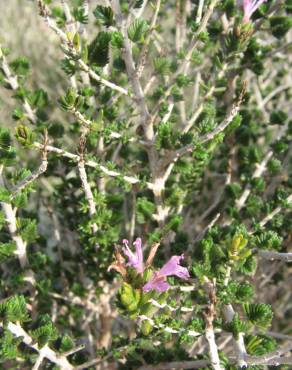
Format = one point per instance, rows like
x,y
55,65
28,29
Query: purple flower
x,y
249,7
134,259
158,280
172,267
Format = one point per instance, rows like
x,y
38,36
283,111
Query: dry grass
x,y
25,34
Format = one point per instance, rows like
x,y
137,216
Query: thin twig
x,y
273,213
167,329
84,67
210,315
200,11
260,169
272,358
238,342
12,80
145,119
32,177
38,362
211,135
239,345
82,28
10,215
195,39
132,73
217,200
86,186
270,255
277,5
273,93
196,364
145,48
89,163
70,24
44,352
205,230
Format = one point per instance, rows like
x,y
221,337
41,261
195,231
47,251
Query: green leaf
x,y
80,15
274,166
258,345
2,220
77,42
59,14
183,80
138,3
39,99
259,314
144,210
84,53
27,229
68,101
7,153
248,266
173,223
233,190
20,200
166,136
7,250
237,246
104,15
4,195
20,66
236,326
197,324
267,240
117,40
66,343
280,25
146,327
18,114
161,65
24,135
244,292
9,346
236,292
14,309
99,49
5,139
137,30
68,66
129,297
278,117
46,331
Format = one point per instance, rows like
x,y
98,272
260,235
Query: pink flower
x,y
134,259
158,281
249,7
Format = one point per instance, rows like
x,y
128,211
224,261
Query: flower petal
x,y
157,283
134,259
139,253
172,267
249,7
